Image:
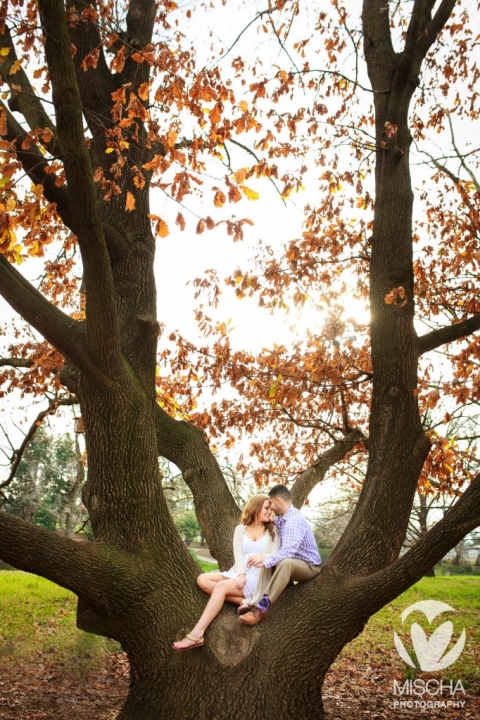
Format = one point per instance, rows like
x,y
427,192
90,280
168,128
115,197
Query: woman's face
x,y
266,512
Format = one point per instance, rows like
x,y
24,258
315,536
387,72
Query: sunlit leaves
x,y
220,198
249,193
161,227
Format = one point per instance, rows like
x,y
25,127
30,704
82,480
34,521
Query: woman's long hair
x,y
252,510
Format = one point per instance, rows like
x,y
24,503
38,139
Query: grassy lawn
x,y
38,618
462,593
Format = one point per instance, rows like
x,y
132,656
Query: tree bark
x,y
398,444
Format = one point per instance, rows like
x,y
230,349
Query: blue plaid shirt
x,y
297,540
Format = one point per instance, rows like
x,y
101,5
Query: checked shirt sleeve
x,y
292,537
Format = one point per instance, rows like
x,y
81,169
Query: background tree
x,y
47,482
188,526
135,93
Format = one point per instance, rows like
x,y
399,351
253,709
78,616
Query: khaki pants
x,y
289,569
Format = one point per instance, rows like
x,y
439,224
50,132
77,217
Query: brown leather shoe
x,y
253,617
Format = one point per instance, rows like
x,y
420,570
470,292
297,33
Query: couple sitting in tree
x,y
258,546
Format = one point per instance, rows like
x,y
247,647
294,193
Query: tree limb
x,y
447,334
84,568
61,331
96,84
23,98
103,336
434,27
458,521
317,471
217,512
36,167
141,21
16,362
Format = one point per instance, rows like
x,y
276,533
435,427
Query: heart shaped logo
x,y
430,652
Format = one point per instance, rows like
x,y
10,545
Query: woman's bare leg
x,y
235,599
207,581
222,590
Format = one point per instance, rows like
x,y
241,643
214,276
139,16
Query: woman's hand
x,y
256,561
241,581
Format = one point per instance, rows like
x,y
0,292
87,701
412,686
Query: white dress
x,y
250,547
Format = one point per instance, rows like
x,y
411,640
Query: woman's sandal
x,y
197,642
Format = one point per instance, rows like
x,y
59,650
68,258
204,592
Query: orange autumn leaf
x,y
240,175
3,122
219,199
120,94
143,91
215,114
15,67
180,221
130,202
172,138
90,60
397,296
162,228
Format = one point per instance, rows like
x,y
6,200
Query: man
x,y
298,558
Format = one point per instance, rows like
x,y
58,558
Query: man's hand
x,y
256,561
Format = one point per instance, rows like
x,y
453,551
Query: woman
x,y
241,585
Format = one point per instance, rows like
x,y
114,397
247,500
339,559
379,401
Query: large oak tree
x,y
92,166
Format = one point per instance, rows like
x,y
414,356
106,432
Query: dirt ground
x,y
42,691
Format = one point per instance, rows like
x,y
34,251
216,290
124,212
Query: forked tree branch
x,y
217,512
23,98
36,167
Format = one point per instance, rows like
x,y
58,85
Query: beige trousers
x,y
289,569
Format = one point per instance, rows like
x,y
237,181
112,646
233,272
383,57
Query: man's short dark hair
x,y
280,491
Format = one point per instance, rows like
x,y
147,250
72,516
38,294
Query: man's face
x,y
276,505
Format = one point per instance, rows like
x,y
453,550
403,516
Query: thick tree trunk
x,y
274,671
398,444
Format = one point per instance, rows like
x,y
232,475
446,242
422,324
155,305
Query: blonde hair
x,y
252,510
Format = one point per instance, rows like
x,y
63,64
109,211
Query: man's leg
x,y
289,569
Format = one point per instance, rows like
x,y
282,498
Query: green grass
x,y
37,618
462,593
206,567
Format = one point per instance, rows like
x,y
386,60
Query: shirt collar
x,y
283,517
